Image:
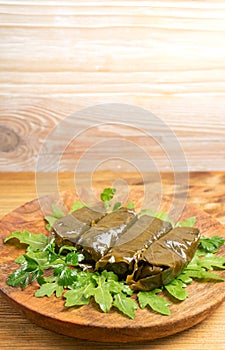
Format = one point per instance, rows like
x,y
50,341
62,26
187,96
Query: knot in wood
x,y
9,140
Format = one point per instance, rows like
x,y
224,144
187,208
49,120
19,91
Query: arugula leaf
x,y
76,297
77,205
50,222
103,297
161,215
130,205
209,261
185,278
109,275
164,216
203,274
34,241
48,289
190,222
146,212
212,244
57,213
125,305
156,302
176,289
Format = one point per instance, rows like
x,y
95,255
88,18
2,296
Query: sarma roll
x,y
95,242
68,229
120,258
164,259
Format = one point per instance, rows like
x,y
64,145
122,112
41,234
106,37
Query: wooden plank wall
x,y
57,57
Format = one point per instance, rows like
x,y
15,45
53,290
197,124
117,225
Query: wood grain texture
x,y
206,191
165,56
87,322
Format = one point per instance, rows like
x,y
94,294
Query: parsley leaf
x,y
27,273
106,197
107,194
66,275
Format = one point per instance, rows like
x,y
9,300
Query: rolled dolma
x,y
68,229
164,259
95,242
120,258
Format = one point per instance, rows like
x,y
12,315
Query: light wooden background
x,y
57,57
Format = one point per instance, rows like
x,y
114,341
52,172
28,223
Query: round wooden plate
x,y
87,322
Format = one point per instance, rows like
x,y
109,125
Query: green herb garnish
x,y
61,273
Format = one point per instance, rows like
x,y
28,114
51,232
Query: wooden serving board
x,y
88,322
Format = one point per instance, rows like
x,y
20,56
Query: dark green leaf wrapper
x,y
120,258
69,228
96,242
162,261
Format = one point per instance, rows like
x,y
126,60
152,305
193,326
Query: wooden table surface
x,y
207,191
167,56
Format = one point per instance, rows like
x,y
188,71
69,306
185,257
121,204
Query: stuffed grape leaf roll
x,y
164,259
120,258
68,229
95,242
